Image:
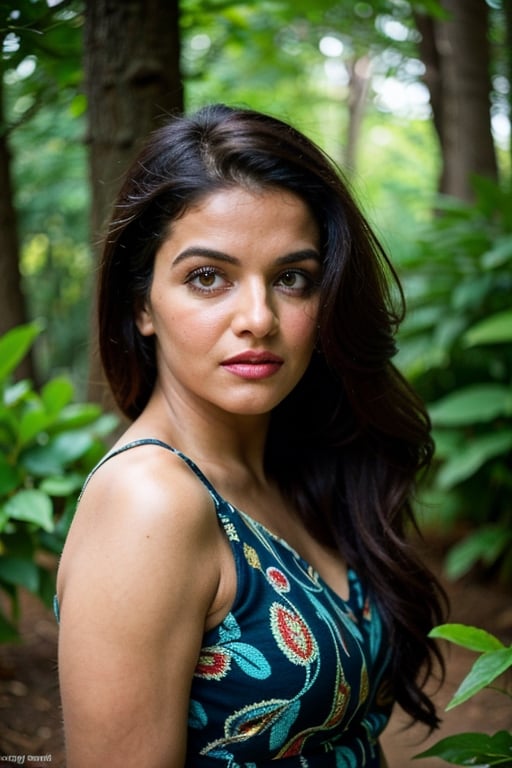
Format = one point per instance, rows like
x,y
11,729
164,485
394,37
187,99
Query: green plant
x,y
47,446
475,749
456,348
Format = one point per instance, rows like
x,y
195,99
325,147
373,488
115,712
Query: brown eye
x,y
289,279
206,279
295,282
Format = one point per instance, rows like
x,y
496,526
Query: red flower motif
x,y
213,664
278,579
292,635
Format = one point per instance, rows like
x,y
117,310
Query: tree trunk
x,y
132,51
358,91
12,302
457,60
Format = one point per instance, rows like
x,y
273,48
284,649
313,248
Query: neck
x,y
212,438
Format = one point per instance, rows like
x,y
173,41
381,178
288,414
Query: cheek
x,y
194,329
302,327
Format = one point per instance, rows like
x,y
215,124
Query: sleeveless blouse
x,y
294,672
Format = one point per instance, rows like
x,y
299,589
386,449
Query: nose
x,y
255,312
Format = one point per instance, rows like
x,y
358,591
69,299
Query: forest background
x,y
411,98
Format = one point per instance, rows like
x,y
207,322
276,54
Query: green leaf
x,y
500,254
14,345
474,749
53,458
76,416
448,442
16,392
31,506
496,329
9,477
474,454
78,105
20,572
56,394
483,672
62,485
471,405
473,638
486,544
106,424
33,422
471,292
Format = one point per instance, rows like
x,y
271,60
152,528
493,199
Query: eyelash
x,y
309,281
206,271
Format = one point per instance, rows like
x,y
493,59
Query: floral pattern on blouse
x,y
294,672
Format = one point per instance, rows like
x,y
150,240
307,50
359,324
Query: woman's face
x,y
234,301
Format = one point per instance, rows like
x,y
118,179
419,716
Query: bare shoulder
x,y
156,478
145,508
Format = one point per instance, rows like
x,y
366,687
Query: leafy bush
x,y
495,658
456,348
47,446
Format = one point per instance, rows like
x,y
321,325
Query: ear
x,y
144,320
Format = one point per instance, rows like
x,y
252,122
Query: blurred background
x,y
411,98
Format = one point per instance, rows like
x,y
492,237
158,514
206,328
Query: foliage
x,y
40,62
456,348
495,659
47,446
44,110
273,56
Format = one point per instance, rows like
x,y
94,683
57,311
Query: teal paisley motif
x,y
215,661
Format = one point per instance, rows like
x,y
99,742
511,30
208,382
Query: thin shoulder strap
x,y
161,444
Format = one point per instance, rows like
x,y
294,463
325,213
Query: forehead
x,y
240,211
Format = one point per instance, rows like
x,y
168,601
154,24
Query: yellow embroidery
x,y
252,556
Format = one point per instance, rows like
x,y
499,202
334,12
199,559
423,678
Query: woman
x,y
236,587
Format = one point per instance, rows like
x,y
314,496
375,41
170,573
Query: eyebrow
x,y
305,254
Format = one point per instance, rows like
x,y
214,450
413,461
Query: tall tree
x,y
456,52
12,303
132,75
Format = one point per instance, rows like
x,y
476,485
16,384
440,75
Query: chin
x,y
254,407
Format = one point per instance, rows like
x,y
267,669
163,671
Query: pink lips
x,y
253,365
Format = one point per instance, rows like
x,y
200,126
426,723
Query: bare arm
x,y
137,579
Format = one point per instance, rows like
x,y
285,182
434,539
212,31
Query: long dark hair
x,y
347,444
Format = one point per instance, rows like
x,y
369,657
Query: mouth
x,y
253,365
